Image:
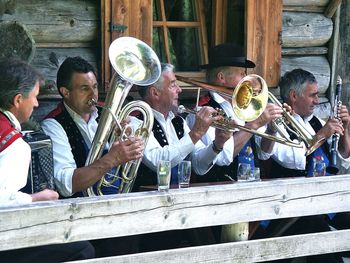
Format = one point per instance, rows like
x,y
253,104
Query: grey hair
x,y
296,79
165,67
16,77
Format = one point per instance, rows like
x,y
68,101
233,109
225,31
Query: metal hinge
x,y
117,27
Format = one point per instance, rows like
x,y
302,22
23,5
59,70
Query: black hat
x,y
229,55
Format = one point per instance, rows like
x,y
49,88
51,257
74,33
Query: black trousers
x,y
51,253
116,246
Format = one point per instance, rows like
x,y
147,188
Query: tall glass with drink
x,y
163,175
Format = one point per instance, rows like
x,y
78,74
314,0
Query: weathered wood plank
x,y
332,8
263,42
246,251
305,2
125,214
305,29
47,61
58,21
304,51
318,65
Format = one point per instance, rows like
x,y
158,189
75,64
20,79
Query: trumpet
x,y
249,100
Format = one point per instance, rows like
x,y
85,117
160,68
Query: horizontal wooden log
x,y
305,6
317,65
305,29
304,51
47,61
246,251
305,3
76,219
58,21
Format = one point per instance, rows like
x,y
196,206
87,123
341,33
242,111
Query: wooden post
x,y
332,8
263,28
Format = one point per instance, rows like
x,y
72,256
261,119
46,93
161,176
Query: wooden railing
x,y
77,219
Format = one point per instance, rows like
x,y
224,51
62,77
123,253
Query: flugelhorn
x,y
249,99
134,62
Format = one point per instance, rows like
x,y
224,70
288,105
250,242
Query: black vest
x,y
146,176
278,171
217,173
80,150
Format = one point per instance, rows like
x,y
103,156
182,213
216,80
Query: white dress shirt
x,y
64,163
225,157
14,165
293,157
202,157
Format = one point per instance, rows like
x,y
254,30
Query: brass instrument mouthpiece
x,y
181,109
92,102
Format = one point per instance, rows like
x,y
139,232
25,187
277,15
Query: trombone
x,y
249,99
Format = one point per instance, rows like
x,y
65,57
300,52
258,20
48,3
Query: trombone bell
x,y
250,97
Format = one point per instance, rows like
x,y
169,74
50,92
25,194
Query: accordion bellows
x,y
40,174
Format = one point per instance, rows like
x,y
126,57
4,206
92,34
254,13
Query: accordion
x,y
40,175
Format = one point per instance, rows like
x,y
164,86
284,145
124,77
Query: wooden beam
x,y
90,218
264,29
219,22
332,8
246,251
179,24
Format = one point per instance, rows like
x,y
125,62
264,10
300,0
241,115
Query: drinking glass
x,y
256,174
184,174
244,172
163,174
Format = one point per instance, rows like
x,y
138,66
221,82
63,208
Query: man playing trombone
x,y
227,67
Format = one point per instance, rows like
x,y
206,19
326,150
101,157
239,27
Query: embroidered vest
x,y
247,154
146,176
76,140
8,134
80,150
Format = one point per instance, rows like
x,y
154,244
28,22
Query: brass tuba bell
x,y
134,62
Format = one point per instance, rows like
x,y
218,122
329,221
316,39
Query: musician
x,y
299,89
227,66
19,88
72,127
172,137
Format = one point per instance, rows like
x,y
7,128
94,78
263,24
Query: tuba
x,y
135,63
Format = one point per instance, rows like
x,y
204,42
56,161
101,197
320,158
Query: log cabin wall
x,y
59,29
306,40
68,28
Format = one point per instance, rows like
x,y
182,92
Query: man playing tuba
x,y
72,126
